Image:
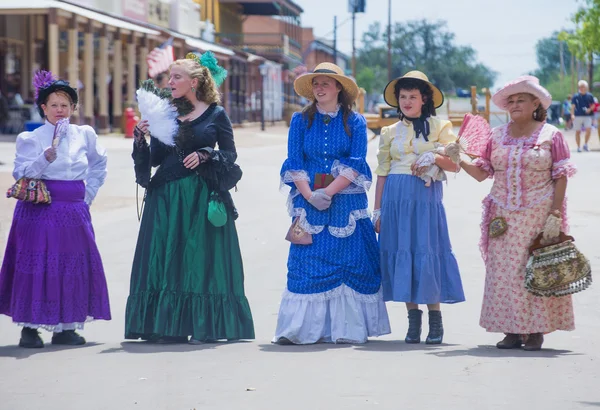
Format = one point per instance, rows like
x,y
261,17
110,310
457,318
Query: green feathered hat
x,y
209,61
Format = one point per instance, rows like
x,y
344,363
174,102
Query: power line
x,y
338,26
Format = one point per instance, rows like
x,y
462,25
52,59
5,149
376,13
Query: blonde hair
x,y
206,90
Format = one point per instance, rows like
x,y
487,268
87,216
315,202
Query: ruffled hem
x,y
517,329
484,165
177,314
58,327
360,183
340,315
564,168
338,232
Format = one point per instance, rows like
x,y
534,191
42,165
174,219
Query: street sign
x,y
358,6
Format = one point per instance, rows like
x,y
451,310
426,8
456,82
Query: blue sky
x,y
503,33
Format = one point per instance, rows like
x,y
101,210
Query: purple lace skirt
x,y
52,275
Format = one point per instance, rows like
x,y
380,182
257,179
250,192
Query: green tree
x,y
426,46
584,42
372,79
548,52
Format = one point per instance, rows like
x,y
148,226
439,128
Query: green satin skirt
x,y
187,277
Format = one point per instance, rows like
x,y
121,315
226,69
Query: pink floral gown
x,y
523,170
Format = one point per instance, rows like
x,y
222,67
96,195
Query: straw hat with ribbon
x,y
303,84
391,98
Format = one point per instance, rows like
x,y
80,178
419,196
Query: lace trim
x,y
426,159
293,176
376,216
485,165
528,142
301,213
339,292
59,327
332,114
400,139
351,227
360,182
338,232
564,168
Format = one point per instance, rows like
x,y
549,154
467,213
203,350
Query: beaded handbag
x,y
35,190
30,190
557,269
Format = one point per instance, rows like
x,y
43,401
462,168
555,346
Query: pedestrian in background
x,y
582,111
567,113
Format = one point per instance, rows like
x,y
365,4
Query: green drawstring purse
x,y
217,213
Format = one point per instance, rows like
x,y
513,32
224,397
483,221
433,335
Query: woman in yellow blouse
x,y
417,263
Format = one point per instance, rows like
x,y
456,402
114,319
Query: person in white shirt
x,y
52,275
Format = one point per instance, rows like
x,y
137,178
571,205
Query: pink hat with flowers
x,y
524,84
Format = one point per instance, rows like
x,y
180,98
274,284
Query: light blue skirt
x,y
417,263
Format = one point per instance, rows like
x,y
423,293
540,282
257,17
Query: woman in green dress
x,y
187,278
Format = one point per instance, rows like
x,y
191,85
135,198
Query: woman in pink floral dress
x,y
529,162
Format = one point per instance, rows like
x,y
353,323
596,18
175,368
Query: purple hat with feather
x,y
44,84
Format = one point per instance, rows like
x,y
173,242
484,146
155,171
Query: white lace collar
x,y
332,114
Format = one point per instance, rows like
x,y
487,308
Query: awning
x,y
253,57
201,44
42,6
265,7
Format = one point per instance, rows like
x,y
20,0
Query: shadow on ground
x,y
18,353
150,348
492,351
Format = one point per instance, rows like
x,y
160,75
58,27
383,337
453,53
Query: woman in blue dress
x,y
417,263
333,290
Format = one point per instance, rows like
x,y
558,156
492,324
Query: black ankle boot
x,y
415,318
436,328
30,338
67,337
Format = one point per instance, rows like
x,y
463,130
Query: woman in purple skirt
x,y
52,276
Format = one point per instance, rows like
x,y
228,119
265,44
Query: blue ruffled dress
x,y
333,285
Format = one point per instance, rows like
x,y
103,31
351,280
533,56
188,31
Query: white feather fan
x,y
161,116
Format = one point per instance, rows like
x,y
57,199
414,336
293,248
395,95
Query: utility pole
x,y
591,71
562,61
353,37
334,39
573,88
389,33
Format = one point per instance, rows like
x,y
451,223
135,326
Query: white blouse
x,y
78,157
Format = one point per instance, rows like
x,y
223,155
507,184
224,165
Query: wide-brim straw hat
x,y
525,84
390,96
303,84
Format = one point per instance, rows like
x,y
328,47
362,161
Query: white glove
x,y
552,227
320,200
453,151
